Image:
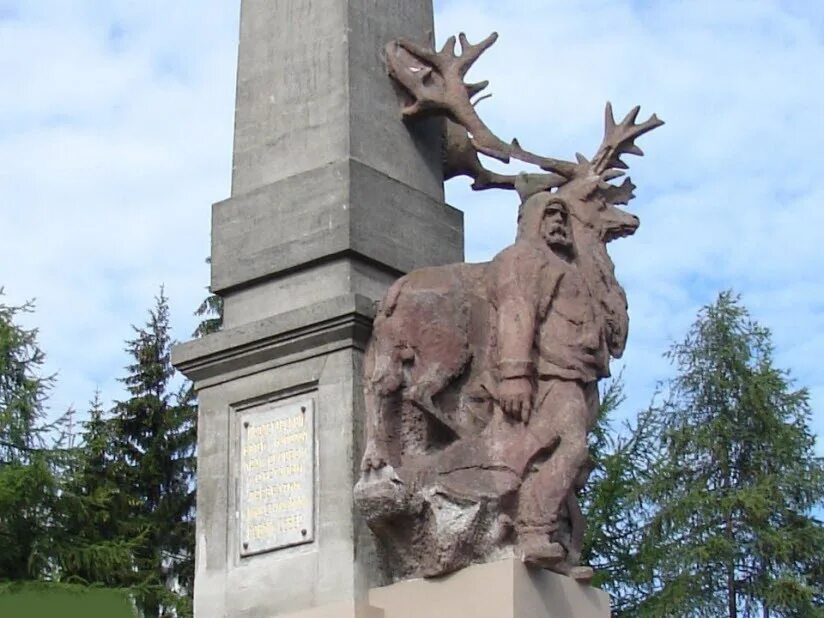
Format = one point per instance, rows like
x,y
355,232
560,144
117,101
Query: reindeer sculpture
x,y
446,437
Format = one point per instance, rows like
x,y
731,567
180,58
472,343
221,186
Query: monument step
x,y
503,589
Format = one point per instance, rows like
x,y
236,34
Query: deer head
x,y
594,200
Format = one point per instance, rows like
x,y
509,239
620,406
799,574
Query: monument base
x,y
503,589
348,609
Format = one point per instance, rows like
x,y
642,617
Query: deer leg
x,y
421,392
380,394
376,453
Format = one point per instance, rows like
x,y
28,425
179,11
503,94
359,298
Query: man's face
x,y
555,228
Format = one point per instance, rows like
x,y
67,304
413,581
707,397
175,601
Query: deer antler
x,y
567,169
619,194
435,81
461,159
619,139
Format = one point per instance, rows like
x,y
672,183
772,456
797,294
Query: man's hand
x,y
515,397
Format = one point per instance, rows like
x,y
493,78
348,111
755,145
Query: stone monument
x,y
461,421
333,198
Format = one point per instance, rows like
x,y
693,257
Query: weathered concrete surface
x,y
314,284
346,609
331,568
280,339
317,215
312,90
333,197
313,352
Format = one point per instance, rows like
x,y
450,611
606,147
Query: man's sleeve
x,y
517,275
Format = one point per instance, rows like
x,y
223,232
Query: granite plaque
x,y
276,476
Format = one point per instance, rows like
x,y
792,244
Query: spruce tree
x,y
23,389
55,522
610,502
89,547
728,505
155,439
28,486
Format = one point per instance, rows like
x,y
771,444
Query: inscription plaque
x,y
276,506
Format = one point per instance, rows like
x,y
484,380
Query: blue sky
x,y
116,131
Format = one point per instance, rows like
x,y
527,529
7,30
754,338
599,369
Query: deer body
x,y
435,329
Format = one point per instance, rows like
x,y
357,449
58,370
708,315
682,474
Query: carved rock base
x,y
432,529
444,510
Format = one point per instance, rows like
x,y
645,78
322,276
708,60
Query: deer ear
x,y
528,185
619,194
522,186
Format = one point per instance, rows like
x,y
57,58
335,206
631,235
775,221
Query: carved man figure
x,y
551,351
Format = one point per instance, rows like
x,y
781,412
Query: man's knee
x,y
560,410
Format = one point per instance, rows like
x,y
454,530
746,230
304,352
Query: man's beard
x,y
557,235
559,240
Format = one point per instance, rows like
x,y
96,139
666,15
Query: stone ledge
x,y
346,206
224,355
503,589
348,609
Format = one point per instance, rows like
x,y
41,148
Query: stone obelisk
x,y
333,198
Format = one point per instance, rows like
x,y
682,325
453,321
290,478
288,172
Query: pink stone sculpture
x,y
481,380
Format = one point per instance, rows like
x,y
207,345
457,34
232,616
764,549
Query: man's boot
x,y
535,548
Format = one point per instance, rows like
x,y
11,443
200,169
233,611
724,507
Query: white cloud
x,y
115,138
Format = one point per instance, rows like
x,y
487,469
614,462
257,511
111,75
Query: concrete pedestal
x,y
505,589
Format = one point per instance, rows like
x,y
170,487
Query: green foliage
x,y
91,549
723,489
48,531
23,390
611,502
153,463
114,509
40,599
211,313
28,483
27,496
